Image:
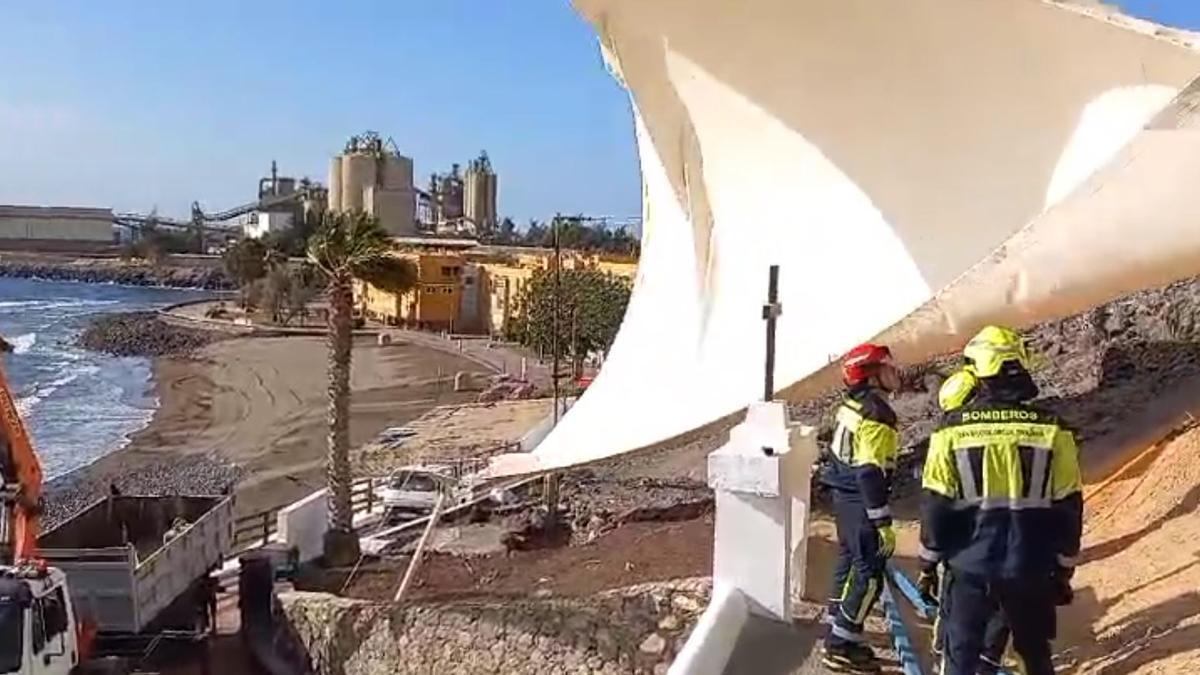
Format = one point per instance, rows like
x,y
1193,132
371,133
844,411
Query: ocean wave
x,y
26,404
23,343
55,303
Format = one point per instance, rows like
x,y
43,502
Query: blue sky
x,y
137,104
141,104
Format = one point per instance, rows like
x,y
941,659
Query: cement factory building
x,y
372,178
55,227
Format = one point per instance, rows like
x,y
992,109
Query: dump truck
x,y
125,566
129,560
123,571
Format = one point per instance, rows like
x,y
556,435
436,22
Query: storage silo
x,y
492,197
479,192
358,171
335,184
397,173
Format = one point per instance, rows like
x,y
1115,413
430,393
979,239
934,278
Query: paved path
x,y
768,647
500,357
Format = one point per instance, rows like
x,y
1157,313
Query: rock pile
x,y
595,503
104,271
143,334
1094,369
506,388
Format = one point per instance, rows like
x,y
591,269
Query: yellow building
x,y
432,305
504,285
464,287
508,271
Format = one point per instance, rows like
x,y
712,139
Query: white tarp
x,y
917,168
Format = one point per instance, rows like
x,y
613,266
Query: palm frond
x,y
347,241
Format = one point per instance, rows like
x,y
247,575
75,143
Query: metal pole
x,y
554,315
771,312
420,551
550,485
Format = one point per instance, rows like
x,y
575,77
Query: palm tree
x,y
345,247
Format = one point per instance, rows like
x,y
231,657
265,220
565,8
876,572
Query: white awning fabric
x,y
916,168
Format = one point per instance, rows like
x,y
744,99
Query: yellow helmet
x,y
992,347
957,389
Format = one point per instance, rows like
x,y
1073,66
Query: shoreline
x,y
178,272
247,414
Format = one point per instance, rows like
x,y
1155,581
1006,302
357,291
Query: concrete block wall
x,y
633,630
303,525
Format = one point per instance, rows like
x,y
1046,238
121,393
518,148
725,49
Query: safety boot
x,y
850,657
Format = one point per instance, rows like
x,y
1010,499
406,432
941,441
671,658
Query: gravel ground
x,y
189,476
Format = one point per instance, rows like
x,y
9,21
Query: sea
x,y
77,404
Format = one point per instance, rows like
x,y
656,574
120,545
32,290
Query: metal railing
x,y
256,529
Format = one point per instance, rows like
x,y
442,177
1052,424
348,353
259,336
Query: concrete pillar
x,y
761,477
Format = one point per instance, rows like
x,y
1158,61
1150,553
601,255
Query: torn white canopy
x,y
916,168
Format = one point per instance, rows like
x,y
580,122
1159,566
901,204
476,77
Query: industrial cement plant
x,y
369,175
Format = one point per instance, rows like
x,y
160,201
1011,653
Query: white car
x,y
415,489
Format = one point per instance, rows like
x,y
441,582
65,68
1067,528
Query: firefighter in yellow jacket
x,y
1002,507
958,390
861,459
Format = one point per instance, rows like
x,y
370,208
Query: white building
x,y
262,222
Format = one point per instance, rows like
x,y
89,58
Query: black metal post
x,y
550,484
770,314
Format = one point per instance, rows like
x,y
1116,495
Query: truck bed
x,y
123,569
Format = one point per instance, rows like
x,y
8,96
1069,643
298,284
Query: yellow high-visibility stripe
x,y
868,600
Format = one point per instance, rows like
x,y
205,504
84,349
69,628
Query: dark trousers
x,y
841,572
1027,604
995,635
859,573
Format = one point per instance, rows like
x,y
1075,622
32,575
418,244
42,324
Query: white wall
x,y
303,525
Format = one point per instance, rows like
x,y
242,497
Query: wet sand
x,y
259,403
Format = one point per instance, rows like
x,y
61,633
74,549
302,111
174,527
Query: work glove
x,y
1063,593
927,585
887,540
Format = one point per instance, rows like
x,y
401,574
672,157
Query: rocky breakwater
x,y
143,334
638,629
115,271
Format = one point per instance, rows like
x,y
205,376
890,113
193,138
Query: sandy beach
x,y
259,403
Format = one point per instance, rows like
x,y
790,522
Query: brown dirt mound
x,y
631,554
1137,604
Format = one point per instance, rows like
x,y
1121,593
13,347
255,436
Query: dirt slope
x,y
1137,606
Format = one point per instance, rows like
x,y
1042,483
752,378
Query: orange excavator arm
x,y
22,474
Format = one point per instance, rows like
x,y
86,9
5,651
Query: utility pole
x,y
550,486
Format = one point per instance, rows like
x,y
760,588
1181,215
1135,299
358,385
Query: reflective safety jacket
x,y
1001,492
862,452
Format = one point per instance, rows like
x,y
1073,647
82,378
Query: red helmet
x,y
863,361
